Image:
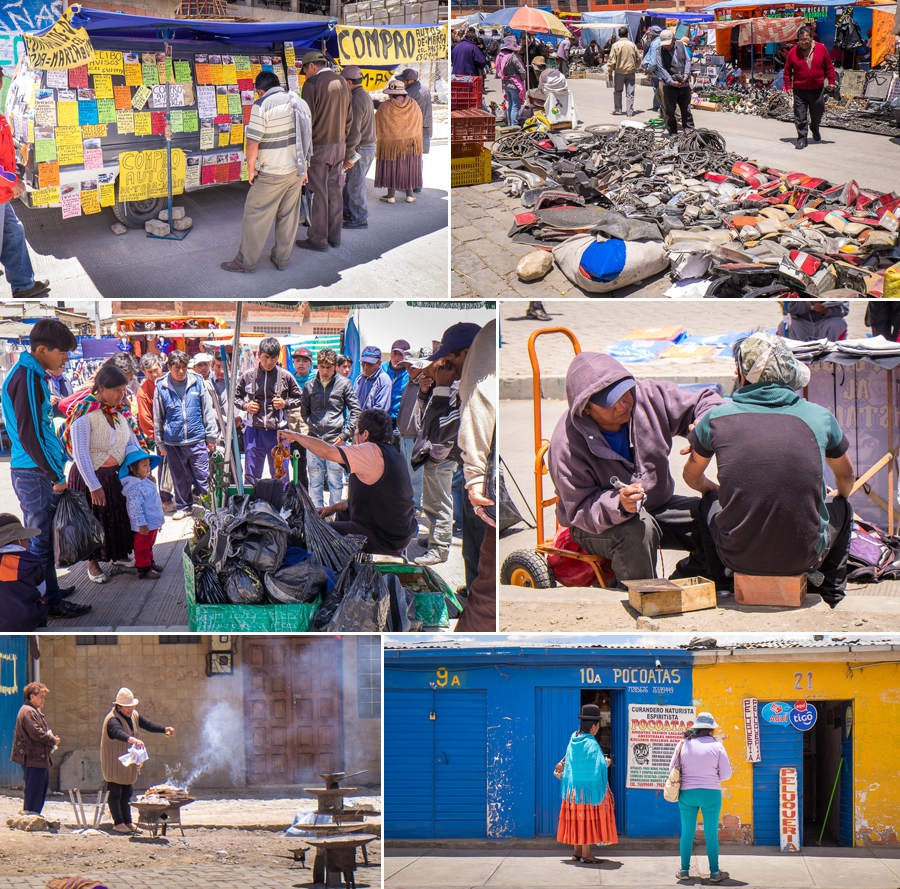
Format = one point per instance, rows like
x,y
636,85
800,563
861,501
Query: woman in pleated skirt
x,y
586,816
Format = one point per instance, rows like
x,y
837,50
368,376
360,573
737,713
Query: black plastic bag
x,y
334,596
319,538
207,589
296,584
365,607
241,584
77,534
258,534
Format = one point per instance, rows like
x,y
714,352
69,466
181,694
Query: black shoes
x,y
306,245
36,289
66,591
348,224
536,312
801,143
817,136
68,609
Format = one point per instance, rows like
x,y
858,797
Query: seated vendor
x,y
622,428
380,503
770,513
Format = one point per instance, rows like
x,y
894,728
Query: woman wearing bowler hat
x,y
586,815
704,766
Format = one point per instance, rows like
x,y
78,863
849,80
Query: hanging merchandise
x,y
847,35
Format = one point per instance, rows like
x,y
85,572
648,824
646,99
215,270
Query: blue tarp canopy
x,y
611,22
744,4
680,16
307,34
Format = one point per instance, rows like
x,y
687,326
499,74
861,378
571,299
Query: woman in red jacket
x,y
807,66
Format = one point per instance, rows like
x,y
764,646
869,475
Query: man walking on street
x,y
422,97
328,97
278,148
673,67
624,61
361,145
807,66
38,460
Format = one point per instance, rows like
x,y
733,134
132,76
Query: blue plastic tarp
x,y
680,16
602,35
744,4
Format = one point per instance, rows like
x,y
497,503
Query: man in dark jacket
x,y
399,376
673,68
186,429
33,742
38,461
328,97
621,428
380,504
466,58
330,409
409,417
267,393
361,144
807,66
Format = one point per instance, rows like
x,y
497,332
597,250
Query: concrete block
x,y
118,229
752,589
80,769
155,227
177,213
183,224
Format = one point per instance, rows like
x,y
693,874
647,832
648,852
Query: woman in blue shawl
x,y
586,815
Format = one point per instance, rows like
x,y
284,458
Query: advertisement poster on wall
x,y
653,734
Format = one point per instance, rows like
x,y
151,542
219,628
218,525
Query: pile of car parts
x,y
747,230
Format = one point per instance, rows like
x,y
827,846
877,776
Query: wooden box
x,y
653,597
755,589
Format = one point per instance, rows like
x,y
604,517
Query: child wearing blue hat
x,y
144,508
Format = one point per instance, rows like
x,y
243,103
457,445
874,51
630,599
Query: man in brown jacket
x,y
328,96
624,61
33,742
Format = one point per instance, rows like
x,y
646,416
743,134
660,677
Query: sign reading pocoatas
x,y
61,47
387,46
653,734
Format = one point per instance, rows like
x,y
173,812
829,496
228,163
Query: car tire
x,y
134,214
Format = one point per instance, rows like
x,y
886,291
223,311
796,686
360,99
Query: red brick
x,y
726,836
731,821
891,838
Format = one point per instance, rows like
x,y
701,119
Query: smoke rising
x,y
220,747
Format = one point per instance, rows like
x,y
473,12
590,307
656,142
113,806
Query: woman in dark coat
x,y
33,742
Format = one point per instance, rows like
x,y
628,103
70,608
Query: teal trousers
x,y
690,802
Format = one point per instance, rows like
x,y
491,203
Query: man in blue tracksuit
x,y
185,429
399,376
38,460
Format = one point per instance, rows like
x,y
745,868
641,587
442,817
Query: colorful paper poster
x,y
70,153
105,63
98,131
90,199
176,118
176,95
71,202
45,113
254,70
242,63
207,136
245,84
106,111
143,126
133,75
125,121
61,47
44,196
58,80
187,92
103,88
216,75
229,74
202,73
245,170
48,174
222,103
654,731
224,135
69,135
290,57
67,114
192,176
208,172
234,103
139,99
93,158
122,97
78,77
170,71
158,96
386,46
44,150
158,123
293,81
182,72
149,75
107,195
237,134
162,72
247,97
234,171
206,102
87,113
191,121
144,174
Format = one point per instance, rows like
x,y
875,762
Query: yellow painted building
x,y
847,761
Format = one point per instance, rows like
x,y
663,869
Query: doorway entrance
x,y
827,776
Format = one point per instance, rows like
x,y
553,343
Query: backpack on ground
x,y
874,555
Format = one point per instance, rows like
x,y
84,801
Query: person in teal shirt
x,y
303,369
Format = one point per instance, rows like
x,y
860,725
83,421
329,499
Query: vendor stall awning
x,y
750,4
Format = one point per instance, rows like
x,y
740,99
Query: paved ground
x,y
753,867
404,249
483,258
873,607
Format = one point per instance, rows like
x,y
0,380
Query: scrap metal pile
x,y
746,230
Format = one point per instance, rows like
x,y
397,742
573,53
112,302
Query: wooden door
x,y
292,709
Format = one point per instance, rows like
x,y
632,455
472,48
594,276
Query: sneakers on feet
x,y
432,557
683,875
718,876
178,515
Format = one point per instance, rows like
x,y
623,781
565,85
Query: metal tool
x,y
618,484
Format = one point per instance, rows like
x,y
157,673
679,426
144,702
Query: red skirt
x,y
581,824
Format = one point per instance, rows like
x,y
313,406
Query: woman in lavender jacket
x,y
704,766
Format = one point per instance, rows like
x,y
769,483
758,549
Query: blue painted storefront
x,y
13,679
472,736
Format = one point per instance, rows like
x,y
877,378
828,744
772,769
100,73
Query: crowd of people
x,y
382,454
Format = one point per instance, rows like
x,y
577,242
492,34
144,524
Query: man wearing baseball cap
x,y
422,97
373,386
409,417
396,370
609,461
673,68
770,512
303,360
360,150
328,97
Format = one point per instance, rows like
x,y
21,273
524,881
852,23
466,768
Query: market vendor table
x,y
153,815
336,857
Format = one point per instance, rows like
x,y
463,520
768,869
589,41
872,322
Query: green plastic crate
x,y
431,608
244,618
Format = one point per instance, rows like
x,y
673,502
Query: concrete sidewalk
x,y
754,867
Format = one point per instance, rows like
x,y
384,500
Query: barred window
x,y
188,639
97,640
368,673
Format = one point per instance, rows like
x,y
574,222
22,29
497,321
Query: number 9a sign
x,y
803,716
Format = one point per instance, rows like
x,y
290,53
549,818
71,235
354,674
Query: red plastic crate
x,y
472,125
465,92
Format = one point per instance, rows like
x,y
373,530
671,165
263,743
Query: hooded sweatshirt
x,y
582,463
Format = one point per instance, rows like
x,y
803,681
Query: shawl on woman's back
x,y
398,129
584,778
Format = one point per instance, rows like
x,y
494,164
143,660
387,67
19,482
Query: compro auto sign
x,y
789,810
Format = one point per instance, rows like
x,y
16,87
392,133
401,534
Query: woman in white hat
x,y
120,731
704,766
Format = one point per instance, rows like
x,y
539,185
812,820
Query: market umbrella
x,y
526,18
